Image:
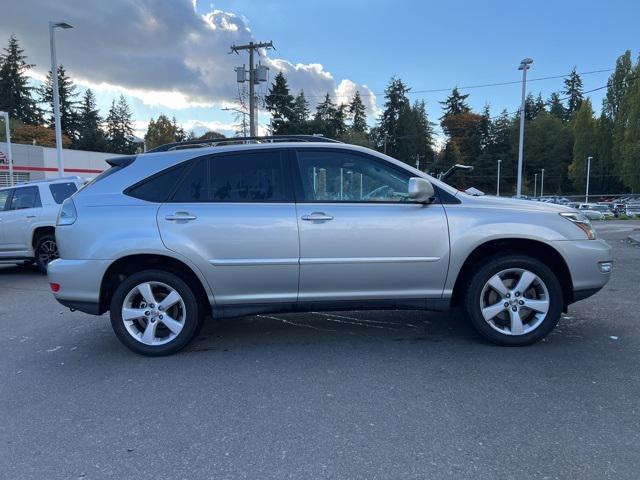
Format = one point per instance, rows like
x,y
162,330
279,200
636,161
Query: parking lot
x,y
323,395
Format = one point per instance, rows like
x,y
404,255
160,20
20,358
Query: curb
x,y
635,238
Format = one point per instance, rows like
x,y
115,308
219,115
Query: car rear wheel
x,y
155,313
46,251
514,300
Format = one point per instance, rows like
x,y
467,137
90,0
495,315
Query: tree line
x,y
560,133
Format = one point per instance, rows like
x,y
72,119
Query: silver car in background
x,y
278,224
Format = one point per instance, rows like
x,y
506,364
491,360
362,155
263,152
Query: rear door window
x,y
61,191
159,187
25,197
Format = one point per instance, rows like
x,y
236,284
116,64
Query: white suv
x,y
28,214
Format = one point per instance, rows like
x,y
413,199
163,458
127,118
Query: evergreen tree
x,y
573,90
279,102
15,92
357,113
454,104
585,143
532,107
68,103
396,102
556,107
301,110
630,144
90,135
120,127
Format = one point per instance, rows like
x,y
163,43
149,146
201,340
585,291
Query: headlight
x,y
67,213
581,222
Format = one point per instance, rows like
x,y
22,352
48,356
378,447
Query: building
x,y
33,162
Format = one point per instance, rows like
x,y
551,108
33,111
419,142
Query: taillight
x,y
55,287
68,214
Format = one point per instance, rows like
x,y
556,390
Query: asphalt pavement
x,y
356,395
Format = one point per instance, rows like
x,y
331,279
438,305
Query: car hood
x,y
513,203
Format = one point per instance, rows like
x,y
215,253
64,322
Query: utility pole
x,y
56,93
524,66
498,182
586,193
542,184
253,79
7,130
535,185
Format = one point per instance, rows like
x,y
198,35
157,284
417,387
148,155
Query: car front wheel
x,y
514,300
155,313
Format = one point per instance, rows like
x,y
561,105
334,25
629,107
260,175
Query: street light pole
x,y
56,93
535,185
586,193
7,130
542,184
524,66
498,182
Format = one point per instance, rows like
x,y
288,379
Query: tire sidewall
x,y
192,319
497,264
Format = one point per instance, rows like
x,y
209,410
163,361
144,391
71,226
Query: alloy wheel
x,y
153,313
514,301
47,252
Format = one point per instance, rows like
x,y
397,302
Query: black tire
x,y
45,251
491,267
192,320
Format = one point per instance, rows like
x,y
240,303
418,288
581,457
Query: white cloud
x,y
162,52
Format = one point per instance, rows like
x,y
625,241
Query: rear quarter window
x,y
159,187
61,191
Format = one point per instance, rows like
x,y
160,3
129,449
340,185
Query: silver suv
x,y
164,239
28,214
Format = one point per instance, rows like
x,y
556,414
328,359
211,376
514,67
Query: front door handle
x,y
317,217
179,216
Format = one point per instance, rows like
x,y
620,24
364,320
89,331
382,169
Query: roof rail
x,y
50,180
215,142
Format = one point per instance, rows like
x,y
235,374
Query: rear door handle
x,y
317,217
178,216
31,216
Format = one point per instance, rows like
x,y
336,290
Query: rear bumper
x,y
584,259
80,282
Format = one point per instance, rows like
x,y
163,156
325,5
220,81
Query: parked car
x,y
589,212
163,239
28,214
605,210
632,209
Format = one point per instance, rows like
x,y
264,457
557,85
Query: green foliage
x,y
280,103
455,104
90,135
67,96
630,144
556,108
15,91
573,92
119,126
357,114
162,131
585,143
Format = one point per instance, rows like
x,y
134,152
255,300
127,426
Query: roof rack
x,y
215,142
50,180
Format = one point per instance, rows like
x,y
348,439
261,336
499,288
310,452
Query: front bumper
x,y
80,282
584,259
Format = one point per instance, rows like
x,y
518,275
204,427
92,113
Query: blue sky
x,y
166,58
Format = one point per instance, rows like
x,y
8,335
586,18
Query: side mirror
x,y
420,190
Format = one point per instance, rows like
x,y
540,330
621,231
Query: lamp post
x,y
542,184
7,130
586,192
535,185
56,94
524,66
498,181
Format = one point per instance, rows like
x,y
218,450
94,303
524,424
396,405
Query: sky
x,y
171,56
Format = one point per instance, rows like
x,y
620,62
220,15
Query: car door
x,y
236,213
360,237
22,210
